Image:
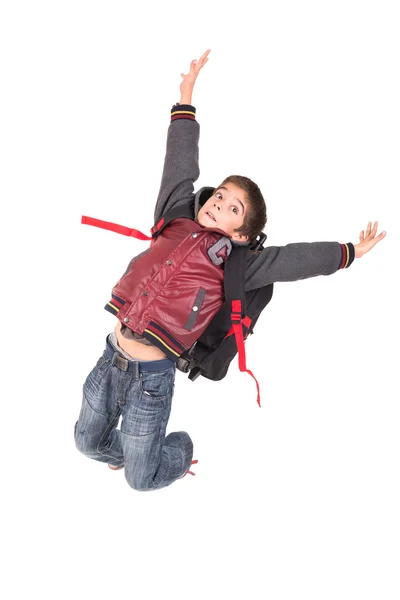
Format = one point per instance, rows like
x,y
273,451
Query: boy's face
x,y
225,210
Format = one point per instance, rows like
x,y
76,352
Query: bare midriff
x,y
136,349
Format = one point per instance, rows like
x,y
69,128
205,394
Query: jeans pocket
x,y
157,385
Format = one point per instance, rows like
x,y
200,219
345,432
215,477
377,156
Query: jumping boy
x,y
134,378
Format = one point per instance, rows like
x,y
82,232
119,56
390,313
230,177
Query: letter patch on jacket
x,y
219,252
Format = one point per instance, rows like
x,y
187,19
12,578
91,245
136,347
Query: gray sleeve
x,y
297,261
181,164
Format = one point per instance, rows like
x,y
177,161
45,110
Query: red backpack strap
x,y
114,227
180,211
237,325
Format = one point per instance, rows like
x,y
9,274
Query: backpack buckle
x,y
259,242
236,317
157,227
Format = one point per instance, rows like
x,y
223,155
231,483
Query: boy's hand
x,y
369,240
189,79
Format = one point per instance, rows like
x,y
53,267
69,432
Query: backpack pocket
x,y
194,313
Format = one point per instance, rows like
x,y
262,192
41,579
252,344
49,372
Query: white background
x,y
298,499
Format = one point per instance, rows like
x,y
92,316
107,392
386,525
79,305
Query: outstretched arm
x,y
304,260
181,164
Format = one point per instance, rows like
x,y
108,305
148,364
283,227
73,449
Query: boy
x,y
134,378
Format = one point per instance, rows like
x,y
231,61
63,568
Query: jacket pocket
x,y
194,313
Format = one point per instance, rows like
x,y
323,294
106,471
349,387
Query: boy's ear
x,y
240,238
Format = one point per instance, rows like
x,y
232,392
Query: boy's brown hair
x,y
256,215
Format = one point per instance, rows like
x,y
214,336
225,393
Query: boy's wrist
x,y
186,99
186,95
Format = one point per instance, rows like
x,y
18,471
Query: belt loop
x,y
137,371
113,358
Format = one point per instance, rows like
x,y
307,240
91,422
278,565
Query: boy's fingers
x,y
373,230
200,63
197,64
206,53
203,59
375,240
371,238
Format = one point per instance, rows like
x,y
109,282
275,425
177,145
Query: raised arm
x,y
181,164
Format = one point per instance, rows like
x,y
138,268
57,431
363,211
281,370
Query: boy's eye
x,y
235,207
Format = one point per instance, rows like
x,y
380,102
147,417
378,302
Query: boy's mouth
x,y
210,215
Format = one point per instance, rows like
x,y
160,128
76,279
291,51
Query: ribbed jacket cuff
x,y
348,255
183,111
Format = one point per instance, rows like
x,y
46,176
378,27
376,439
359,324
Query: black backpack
x,y
213,352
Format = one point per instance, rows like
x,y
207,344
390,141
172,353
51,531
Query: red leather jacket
x,y
170,292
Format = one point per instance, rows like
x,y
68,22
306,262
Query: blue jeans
x,y
141,393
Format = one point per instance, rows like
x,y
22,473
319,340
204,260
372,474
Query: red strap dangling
x,y
238,331
114,227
